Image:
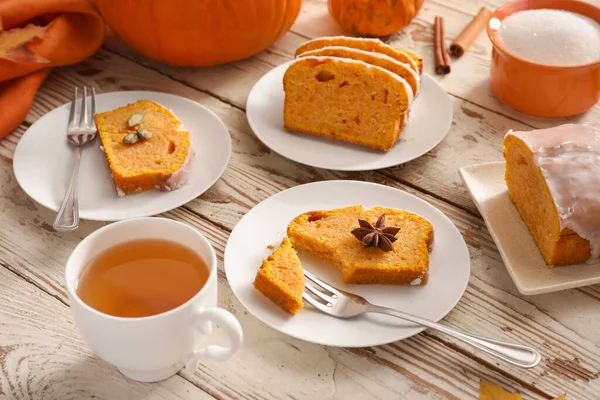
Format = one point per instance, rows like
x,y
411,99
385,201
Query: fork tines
x,y
81,129
321,294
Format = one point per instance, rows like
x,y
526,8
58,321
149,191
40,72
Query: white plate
x,y
430,120
266,224
43,160
521,256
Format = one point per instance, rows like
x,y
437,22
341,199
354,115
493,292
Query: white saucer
x,y
521,256
43,160
266,225
430,120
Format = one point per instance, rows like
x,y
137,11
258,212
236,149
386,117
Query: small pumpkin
x,y
198,32
373,17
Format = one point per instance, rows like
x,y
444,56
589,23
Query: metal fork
x,y
341,304
78,134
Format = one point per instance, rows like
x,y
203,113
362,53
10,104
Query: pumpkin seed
x,y
144,133
135,119
131,138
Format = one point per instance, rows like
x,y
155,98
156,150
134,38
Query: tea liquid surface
x,y
142,278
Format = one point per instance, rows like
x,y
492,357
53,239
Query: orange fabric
x,y
74,32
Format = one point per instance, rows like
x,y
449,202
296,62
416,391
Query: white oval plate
x,y
266,225
430,120
43,161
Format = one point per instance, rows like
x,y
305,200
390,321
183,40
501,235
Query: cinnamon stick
x,y
442,59
469,34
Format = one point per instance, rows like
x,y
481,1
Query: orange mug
x,y
539,89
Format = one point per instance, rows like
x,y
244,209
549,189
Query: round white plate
x,y
430,120
43,161
266,224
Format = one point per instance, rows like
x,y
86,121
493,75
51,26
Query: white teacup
x,y
152,348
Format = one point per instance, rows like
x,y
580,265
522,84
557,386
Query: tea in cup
x,y
143,291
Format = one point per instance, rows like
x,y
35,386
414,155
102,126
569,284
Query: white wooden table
x,y
43,357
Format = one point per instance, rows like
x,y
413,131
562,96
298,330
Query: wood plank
x,y
469,78
9,143
420,366
43,357
480,120
546,322
230,82
474,136
255,173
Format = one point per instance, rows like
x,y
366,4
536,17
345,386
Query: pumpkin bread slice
x,y
162,161
373,58
281,279
374,45
347,100
417,58
569,170
327,235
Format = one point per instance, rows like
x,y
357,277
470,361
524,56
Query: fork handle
x,y
68,214
516,354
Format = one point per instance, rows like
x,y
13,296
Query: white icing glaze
x,y
179,177
416,282
346,40
182,175
569,158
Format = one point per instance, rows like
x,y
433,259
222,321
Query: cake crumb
x,y
270,247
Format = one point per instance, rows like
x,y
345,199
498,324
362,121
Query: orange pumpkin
x,y
373,17
198,32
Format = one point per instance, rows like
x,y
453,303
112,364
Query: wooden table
x,y
43,357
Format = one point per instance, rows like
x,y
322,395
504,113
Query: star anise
x,y
378,236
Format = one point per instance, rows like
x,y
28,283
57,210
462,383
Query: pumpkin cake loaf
x,y
374,45
145,146
373,58
553,177
281,279
416,58
347,100
331,235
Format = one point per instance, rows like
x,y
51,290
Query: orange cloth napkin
x,y
35,36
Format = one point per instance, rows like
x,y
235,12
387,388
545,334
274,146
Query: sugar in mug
x,y
539,89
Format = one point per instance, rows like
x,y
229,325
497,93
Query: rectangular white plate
x,y
521,256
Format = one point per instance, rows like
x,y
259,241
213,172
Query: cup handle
x,y
202,323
